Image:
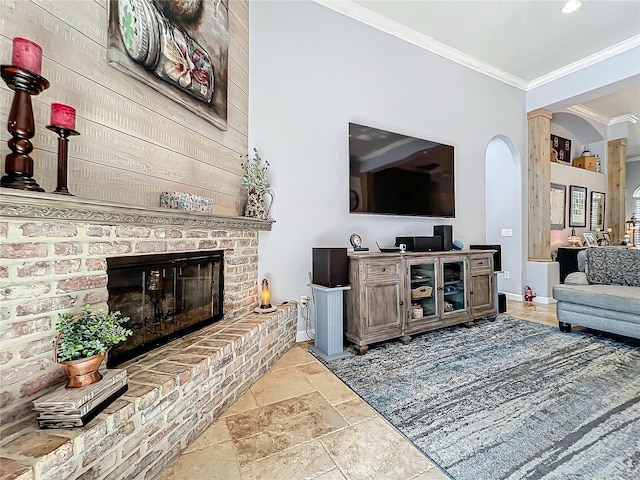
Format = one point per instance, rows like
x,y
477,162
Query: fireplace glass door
x,y
165,296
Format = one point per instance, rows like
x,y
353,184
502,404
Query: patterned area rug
x,y
509,399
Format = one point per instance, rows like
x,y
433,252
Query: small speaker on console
x,y
446,232
330,267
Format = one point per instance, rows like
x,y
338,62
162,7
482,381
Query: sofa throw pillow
x,y
613,266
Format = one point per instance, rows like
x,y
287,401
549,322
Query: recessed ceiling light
x,y
571,6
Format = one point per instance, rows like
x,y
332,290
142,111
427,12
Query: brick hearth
x,y
175,393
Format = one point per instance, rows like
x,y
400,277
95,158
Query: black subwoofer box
x,y
502,303
446,232
330,267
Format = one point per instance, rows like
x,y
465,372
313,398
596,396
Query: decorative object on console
x,y
265,299
256,181
356,243
573,240
63,122
560,149
577,206
558,201
179,49
18,164
590,239
83,342
186,201
631,227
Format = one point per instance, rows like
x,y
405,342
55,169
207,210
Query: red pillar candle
x,y
63,116
27,54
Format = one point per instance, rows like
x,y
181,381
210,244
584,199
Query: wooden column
x,y
539,213
616,187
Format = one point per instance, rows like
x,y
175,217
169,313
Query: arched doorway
x,y
505,203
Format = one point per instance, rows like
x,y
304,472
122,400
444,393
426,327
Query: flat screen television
x,y
395,174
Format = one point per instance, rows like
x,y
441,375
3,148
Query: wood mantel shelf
x,y
19,204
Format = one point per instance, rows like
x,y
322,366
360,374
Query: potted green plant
x,y
83,341
256,180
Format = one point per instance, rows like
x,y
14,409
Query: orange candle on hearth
x,y
63,116
27,54
265,296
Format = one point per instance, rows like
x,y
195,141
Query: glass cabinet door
x,y
453,286
423,290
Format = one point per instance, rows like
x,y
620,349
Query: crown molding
x,y
586,112
627,117
600,56
380,22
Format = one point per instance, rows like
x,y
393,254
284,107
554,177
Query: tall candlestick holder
x,y
18,164
63,142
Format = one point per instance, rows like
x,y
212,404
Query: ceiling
x,y
523,42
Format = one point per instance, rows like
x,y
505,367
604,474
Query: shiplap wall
x,y
134,142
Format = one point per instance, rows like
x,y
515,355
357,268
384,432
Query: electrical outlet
x,y
304,300
507,232
506,274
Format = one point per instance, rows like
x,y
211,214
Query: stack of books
x,y
75,407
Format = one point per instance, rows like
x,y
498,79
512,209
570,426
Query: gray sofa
x,y
604,294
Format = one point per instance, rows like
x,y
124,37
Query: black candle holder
x,y
63,141
18,164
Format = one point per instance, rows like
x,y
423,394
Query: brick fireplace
x,y
54,260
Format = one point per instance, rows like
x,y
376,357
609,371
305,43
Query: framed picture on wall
x,y
560,150
558,202
577,206
179,49
597,211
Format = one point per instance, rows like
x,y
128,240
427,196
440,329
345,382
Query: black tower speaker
x,y
330,267
446,232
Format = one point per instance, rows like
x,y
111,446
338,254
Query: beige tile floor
x,y
300,422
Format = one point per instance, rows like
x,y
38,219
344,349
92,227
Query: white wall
x,y
313,70
503,187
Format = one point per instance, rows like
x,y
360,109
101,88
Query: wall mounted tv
x,y
395,174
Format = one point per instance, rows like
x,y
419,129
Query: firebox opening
x,y
166,296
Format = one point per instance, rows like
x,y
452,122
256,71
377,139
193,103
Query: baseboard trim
x,y
513,296
302,337
545,300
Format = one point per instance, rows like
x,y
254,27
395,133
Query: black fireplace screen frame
x,y
166,297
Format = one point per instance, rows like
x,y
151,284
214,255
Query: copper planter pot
x,y
83,371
